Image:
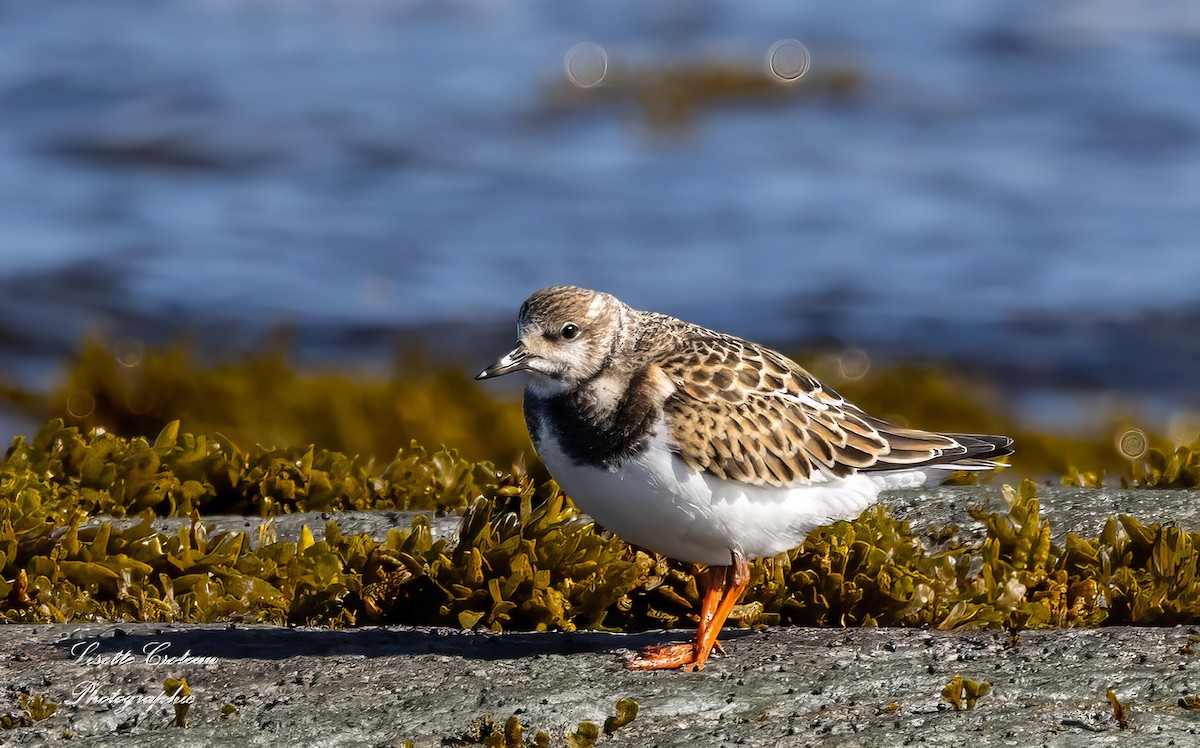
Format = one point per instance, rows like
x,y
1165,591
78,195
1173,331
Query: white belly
x,y
657,502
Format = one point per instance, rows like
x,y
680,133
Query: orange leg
x,y
712,599
712,594
724,587
736,579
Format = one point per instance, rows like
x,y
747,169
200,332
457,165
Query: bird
x,y
702,446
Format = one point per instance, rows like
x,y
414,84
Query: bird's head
x,y
565,337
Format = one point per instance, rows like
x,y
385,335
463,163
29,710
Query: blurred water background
x,y
1012,187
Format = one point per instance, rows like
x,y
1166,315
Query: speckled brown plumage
x,y
747,413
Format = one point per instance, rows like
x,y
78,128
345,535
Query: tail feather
x,y
986,441
942,451
983,446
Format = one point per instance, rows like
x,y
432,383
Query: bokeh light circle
x,y
854,364
81,404
1133,443
129,352
1184,428
788,60
586,64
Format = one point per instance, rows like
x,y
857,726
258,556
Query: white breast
x,y
657,502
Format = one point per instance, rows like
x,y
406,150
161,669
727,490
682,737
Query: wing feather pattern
x,y
747,413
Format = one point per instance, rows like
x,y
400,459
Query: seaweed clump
x,y
671,97
876,571
34,708
1165,469
524,558
487,731
962,693
132,390
1147,467
177,474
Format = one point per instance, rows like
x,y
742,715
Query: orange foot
x,y
723,588
667,657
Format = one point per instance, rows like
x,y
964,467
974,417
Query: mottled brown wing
x,y
746,413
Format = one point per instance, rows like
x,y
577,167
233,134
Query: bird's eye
x,y
570,330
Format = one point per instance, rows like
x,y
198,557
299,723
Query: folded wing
x,y
747,413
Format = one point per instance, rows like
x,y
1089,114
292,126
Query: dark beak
x,y
515,360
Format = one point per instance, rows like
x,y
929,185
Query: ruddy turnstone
x,y
702,446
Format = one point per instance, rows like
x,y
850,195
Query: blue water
x,y
1015,186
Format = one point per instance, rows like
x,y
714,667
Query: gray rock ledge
x,y
776,687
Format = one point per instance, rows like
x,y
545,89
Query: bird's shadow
x,y
279,643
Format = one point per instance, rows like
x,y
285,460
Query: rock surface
x,y
776,687
1079,510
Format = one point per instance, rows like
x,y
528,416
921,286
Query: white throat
x,y
544,386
